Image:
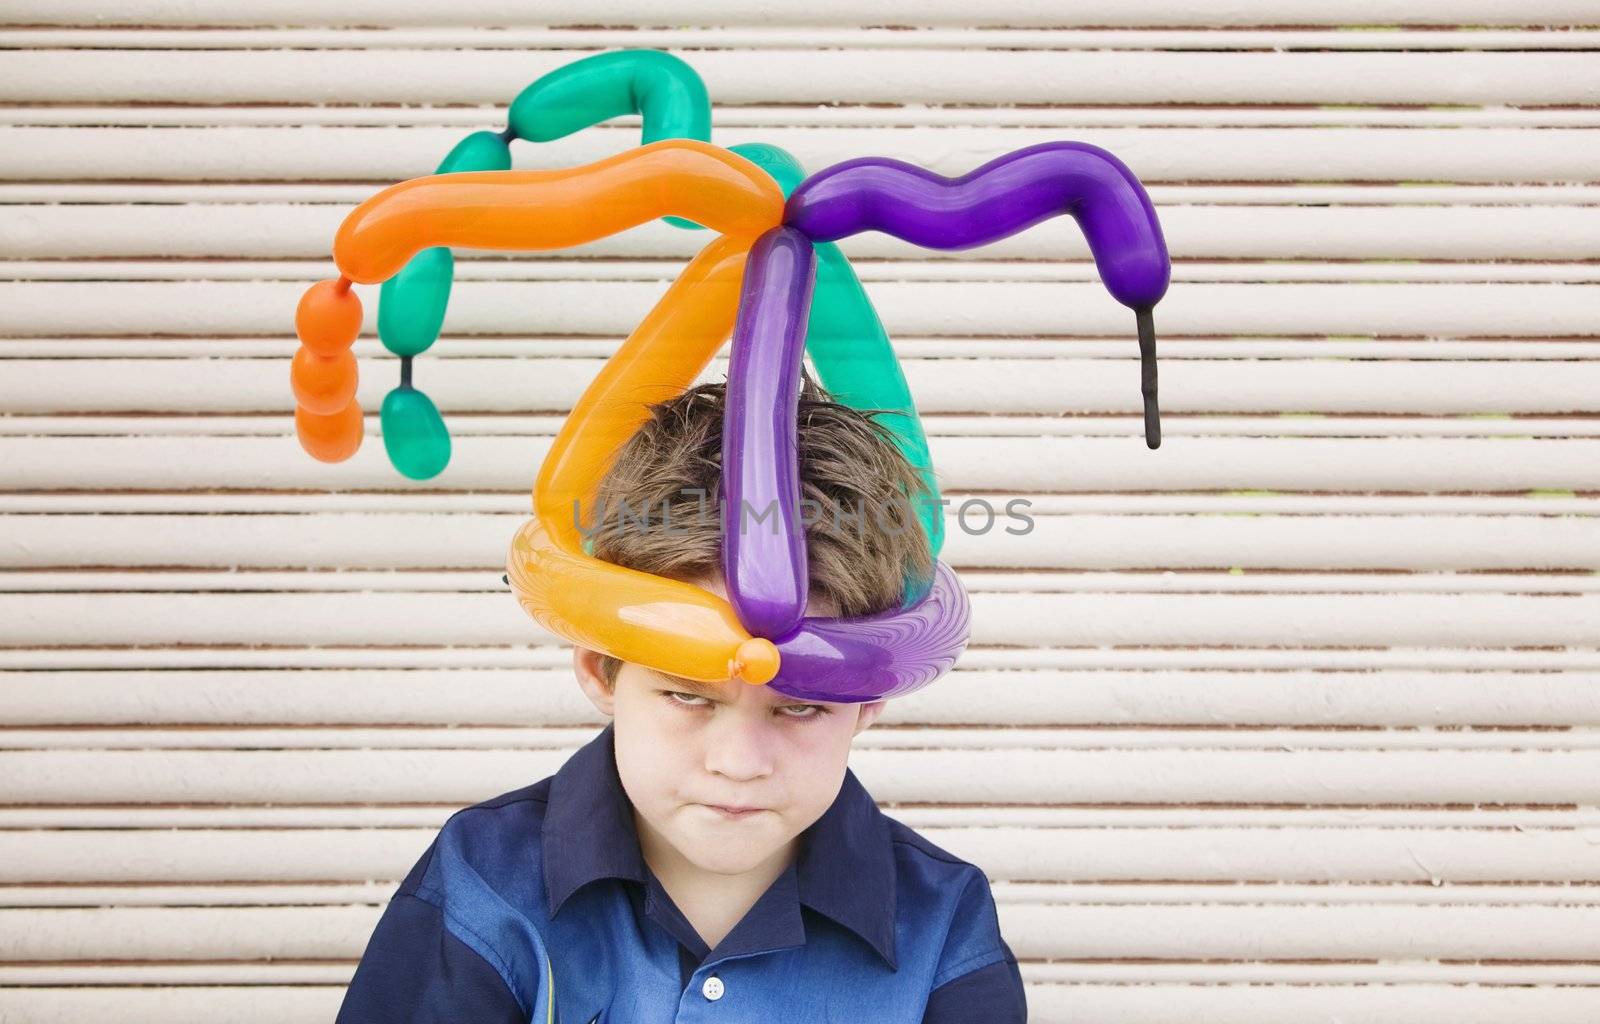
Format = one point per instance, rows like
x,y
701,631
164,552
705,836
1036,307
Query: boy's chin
x,y
714,850
728,862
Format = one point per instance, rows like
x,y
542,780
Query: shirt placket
x,y
728,990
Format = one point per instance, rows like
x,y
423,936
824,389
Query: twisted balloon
x,y
1006,195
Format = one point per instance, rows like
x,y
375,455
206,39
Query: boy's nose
x,y
739,748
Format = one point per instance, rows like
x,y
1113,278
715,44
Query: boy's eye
x,y
695,700
808,710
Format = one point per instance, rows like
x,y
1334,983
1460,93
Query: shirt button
x,y
712,989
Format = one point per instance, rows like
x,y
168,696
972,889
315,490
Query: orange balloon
x,y
330,438
323,385
636,616
666,624
328,317
658,361
556,209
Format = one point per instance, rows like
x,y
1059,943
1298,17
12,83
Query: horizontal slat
x,y
885,116
432,816
253,894
1263,503
202,1004
1205,1002
997,429
1088,617
509,269
1055,931
1030,13
1039,697
955,741
1029,465
1280,855
305,231
773,37
1419,893
1023,308
1323,777
1040,386
178,193
1315,973
1158,155
804,75
908,348
423,656
1234,581
399,540
1328,976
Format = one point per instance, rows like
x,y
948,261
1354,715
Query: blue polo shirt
x,y
537,906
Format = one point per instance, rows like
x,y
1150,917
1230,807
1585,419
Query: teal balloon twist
x,y
411,307
414,434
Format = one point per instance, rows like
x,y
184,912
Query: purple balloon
x,y
1004,196
849,660
763,540
876,657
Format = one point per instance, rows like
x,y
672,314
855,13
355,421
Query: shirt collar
x,y
845,869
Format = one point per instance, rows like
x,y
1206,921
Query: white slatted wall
x,y
1292,720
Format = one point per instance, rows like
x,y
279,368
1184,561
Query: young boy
x,y
708,856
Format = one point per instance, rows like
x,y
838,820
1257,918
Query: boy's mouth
x,y
734,812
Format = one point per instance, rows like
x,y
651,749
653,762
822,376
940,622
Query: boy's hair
x,y
863,534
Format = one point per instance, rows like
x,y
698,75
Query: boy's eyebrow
x,y
710,690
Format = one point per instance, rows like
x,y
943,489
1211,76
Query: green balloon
x,y
414,434
411,304
856,362
776,161
666,93
480,151
661,88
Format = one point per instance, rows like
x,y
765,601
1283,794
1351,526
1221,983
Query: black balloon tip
x,y
1145,316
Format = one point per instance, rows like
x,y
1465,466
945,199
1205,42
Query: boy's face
x,y
686,749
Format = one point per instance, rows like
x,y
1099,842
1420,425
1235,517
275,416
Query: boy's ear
x,y
586,666
869,714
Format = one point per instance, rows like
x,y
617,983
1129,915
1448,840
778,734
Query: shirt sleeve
x,y
988,995
978,979
414,971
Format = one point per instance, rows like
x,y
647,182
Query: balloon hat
x,y
756,279
845,339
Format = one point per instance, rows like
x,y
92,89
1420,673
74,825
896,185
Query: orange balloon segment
x,y
556,209
328,318
658,361
756,661
330,438
636,616
323,384
669,625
